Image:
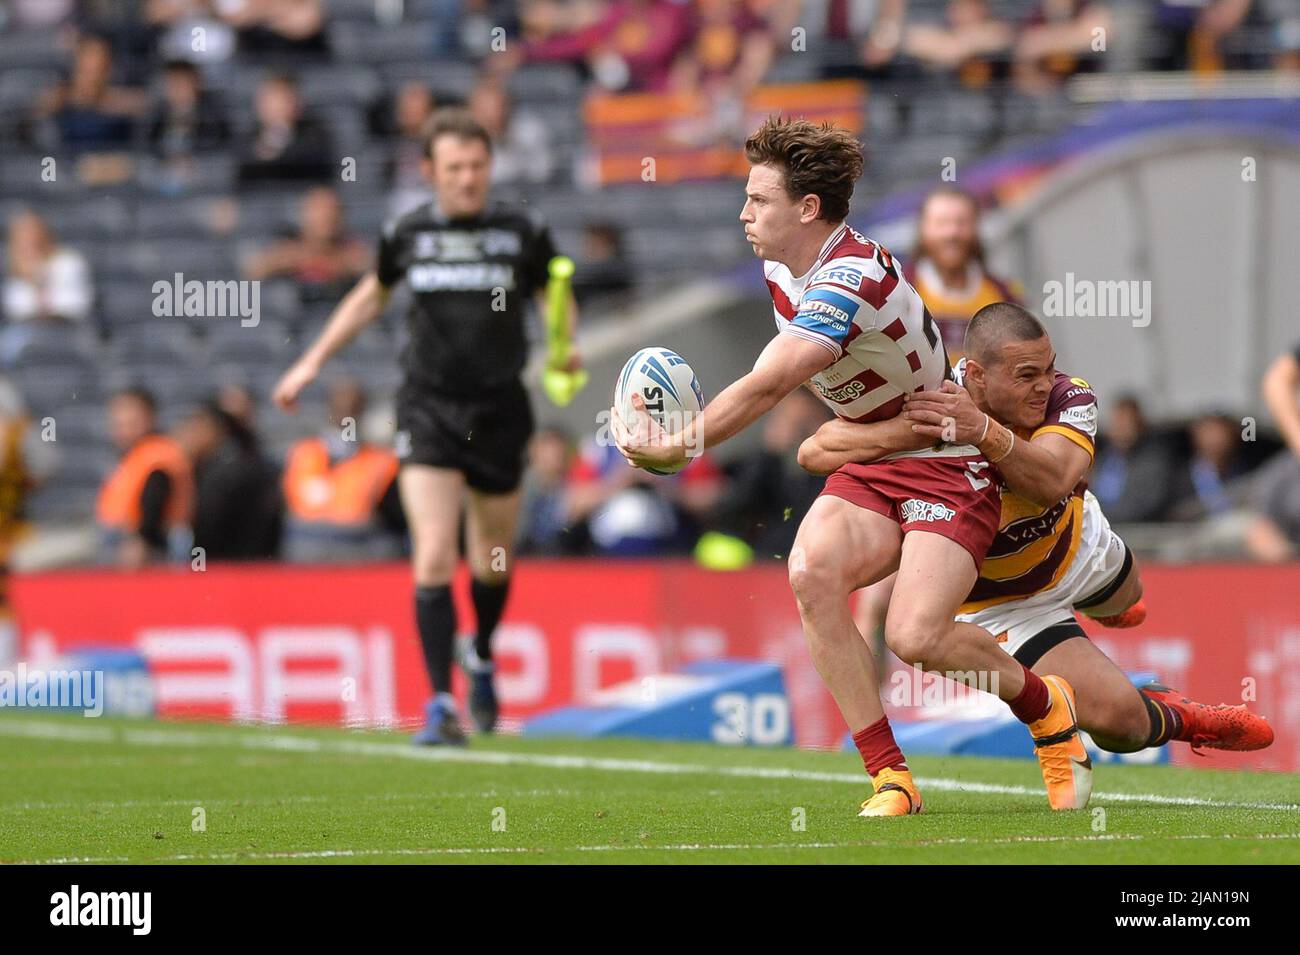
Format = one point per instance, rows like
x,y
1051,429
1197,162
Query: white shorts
x,y
1096,565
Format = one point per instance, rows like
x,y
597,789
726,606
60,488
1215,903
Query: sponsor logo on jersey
x,y
915,509
1029,529
854,389
842,275
1082,417
1080,382
480,276
458,245
837,318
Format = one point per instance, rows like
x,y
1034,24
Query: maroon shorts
x,y
959,498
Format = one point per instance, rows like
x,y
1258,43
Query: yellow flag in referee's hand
x,y
560,384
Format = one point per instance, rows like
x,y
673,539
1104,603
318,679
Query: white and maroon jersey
x,y
856,302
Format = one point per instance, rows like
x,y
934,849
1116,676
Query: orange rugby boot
x,y
896,795
1066,766
1220,726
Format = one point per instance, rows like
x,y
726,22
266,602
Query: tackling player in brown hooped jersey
x,y
1054,552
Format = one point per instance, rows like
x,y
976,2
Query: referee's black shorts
x,y
484,436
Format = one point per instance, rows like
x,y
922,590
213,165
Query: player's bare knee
x,y
815,577
913,639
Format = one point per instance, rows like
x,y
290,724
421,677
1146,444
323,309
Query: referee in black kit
x,y
463,415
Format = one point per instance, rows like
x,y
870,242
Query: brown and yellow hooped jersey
x,y
1035,545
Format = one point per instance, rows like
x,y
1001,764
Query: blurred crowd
x,y
209,484
147,90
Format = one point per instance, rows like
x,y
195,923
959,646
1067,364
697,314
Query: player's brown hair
x,y
824,161
453,121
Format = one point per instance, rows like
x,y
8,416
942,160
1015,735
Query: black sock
x,y
1166,724
435,617
489,602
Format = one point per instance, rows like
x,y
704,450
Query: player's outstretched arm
x,y
785,364
839,442
361,306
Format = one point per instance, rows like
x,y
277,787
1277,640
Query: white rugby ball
x,y
666,384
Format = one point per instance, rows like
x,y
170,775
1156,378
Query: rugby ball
x,y
666,384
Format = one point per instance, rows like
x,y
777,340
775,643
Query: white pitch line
x,y
303,744
646,847
242,801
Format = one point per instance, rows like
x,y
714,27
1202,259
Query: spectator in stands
x,y
521,141
286,145
341,491
321,257
604,269
1193,33
545,19
544,523
631,47
632,513
87,112
730,52
236,501
880,24
278,27
36,14
24,461
947,265
1214,467
1135,477
465,27
44,283
973,44
187,119
145,506
1057,40
403,123
1274,535
1284,22
238,401
770,493
179,22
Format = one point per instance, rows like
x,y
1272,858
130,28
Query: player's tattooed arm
x,y
839,442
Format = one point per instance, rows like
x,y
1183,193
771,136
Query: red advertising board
x,y
337,644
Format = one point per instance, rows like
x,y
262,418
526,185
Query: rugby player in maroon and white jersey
x,y
1055,553
851,325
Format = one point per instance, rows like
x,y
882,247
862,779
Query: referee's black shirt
x,y
458,342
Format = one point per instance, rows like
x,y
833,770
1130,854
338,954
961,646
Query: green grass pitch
x,y
133,791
